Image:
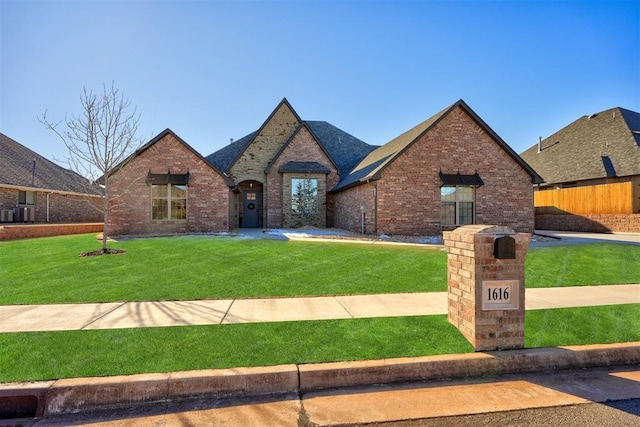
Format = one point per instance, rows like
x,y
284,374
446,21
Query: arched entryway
x,y
250,204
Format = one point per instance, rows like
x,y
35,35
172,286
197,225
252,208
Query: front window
x,y
304,196
168,202
456,205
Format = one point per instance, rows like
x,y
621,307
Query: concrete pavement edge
x,y
75,395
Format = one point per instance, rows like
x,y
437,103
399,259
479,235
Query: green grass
x,y
39,356
182,268
588,264
50,271
584,325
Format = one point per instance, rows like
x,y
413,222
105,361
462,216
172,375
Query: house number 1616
x,y
498,294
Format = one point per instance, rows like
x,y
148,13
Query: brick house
x,y
591,172
34,189
447,171
166,187
450,170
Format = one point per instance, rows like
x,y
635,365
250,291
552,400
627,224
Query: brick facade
x,y
470,262
208,195
56,207
350,205
590,223
302,147
403,199
407,199
28,231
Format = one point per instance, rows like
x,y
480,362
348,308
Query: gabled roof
x,y
600,145
344,150
371,167
24,168
225,158
161,135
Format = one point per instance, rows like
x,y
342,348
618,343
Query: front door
x,y
250,209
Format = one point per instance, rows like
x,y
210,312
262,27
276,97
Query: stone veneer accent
x,y
256,158
470,261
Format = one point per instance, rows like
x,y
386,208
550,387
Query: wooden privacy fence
x,y
618,198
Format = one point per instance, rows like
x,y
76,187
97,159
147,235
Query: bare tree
x,y
99,139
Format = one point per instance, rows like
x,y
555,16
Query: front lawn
x,y
50,355
50,271
183,268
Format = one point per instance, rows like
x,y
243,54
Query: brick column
x,y
485,275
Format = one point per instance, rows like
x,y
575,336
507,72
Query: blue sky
x,y
214,70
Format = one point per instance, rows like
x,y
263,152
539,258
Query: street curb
x,y
75,395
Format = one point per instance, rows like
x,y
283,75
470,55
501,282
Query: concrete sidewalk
x,y
60,317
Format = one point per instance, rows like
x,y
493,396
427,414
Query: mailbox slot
x,y
504,248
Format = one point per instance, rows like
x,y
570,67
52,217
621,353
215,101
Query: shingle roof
x,y
371,167
226,157
596,146
223,159
344,149
22,167
182,141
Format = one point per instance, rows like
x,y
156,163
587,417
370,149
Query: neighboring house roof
x,y
371,167
161,135
24,168
600,145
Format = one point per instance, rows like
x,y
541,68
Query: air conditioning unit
x,y
30,214
24,214
6,215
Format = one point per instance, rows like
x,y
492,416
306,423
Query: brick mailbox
x,y
485,276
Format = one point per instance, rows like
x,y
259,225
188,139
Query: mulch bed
x,y
101,252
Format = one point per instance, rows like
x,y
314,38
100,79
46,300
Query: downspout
x,y
48,194
265,215
375,205
375,208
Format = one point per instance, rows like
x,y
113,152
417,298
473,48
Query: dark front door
x,y
250,209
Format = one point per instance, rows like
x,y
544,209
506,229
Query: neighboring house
x,y
36,190
450,170
591,172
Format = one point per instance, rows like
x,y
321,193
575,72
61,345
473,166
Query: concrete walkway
x,y
61,317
